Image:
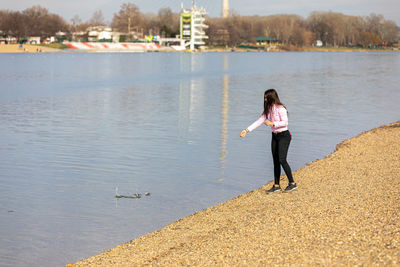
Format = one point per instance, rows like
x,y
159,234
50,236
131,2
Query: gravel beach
x,y
346,211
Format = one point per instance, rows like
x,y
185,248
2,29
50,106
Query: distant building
x,y
96,34
7,39
61,36
318,43
79,36
192,27
49,40
99,33
2,37
264,40
33,40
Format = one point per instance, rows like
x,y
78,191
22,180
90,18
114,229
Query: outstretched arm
x,y
254,125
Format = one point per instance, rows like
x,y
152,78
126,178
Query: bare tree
x,y
354,27
321,27
97,19
386,30
127,18
78,25
369,39
288,29
14,25
217,32
150,24
374,23
36,18
3,15
36,21
389,32
53,24
75,22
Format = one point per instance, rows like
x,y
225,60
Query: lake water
x,y
73,127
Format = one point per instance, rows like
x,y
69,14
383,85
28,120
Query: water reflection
x,y
224,116
192,97
184,111
224,126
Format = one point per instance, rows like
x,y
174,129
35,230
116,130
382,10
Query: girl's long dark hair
x,y
271,98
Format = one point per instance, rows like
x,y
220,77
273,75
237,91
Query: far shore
x,y
16,48
344,213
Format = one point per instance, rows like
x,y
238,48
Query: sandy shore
x,y
15,48
345,212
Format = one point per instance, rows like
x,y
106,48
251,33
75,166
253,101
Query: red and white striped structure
x,y
111,47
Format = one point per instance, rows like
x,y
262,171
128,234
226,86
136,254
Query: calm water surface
x,y
73,127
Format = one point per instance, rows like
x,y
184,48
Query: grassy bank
x,y
345,212
55,46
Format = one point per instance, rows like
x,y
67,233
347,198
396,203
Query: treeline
x,y
38,21
34,21
333,29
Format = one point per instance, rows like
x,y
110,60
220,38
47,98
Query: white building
x,y
192,27
34,40
97,33
318,43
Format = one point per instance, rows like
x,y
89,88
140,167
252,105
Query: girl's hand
x,y
243,133
269,123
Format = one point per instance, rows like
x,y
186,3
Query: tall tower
x,y
192,27
225,8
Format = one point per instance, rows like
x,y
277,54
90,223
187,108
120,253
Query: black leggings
x,y
280,145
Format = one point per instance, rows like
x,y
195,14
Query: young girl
x,y
276,116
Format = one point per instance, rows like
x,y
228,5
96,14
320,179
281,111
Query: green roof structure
x,y
264,39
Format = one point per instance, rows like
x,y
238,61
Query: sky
x,y
390,9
